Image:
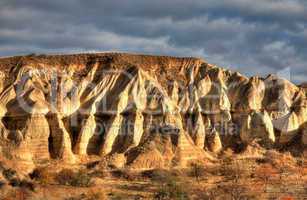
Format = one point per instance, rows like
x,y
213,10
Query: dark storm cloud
x,y
255,37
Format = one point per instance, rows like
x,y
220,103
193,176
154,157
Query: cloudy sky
x,y
256,37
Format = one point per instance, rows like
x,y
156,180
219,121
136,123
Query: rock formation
x,y
153,111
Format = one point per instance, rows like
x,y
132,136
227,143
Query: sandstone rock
x,y
214,142
112,132
35,136
279,95
300,110
151,159
199,132
3,132
151,110
131,131
288,127
258,125
86,133
249,96
155,151
61,140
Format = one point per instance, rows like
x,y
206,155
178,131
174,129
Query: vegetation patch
x,y
172,189
42,175
77,179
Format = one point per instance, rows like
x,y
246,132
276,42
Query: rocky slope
x,y
141,111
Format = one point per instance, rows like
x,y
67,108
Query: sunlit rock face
x,y
257,125
153,111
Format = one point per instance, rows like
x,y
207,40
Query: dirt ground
x,y
276,176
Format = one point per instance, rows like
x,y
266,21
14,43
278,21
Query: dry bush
x,y
301,162
77,179
92,195
98,174
233,191
125,174
161,175
9,174
197,171
92,165
267,174
43,175
98,169
172,190
235,169
2,184
170,184
2,165
15,182
280,160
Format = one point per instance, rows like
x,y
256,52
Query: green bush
x,y
77,179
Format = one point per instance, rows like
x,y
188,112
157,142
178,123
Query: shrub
x,y
197,170
15,182
2,166
92,165
160,175
237,191
2,183
280,160
170,184
77,179
236,169
262,161
27,184
266,173
89,196
232,191
98,174
125,174
301,162
9,173
171,190
43,175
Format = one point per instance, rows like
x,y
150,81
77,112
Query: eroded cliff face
x,y
154,111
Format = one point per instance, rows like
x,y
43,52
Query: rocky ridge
x,y
147,111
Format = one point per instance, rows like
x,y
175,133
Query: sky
x,y
255,37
